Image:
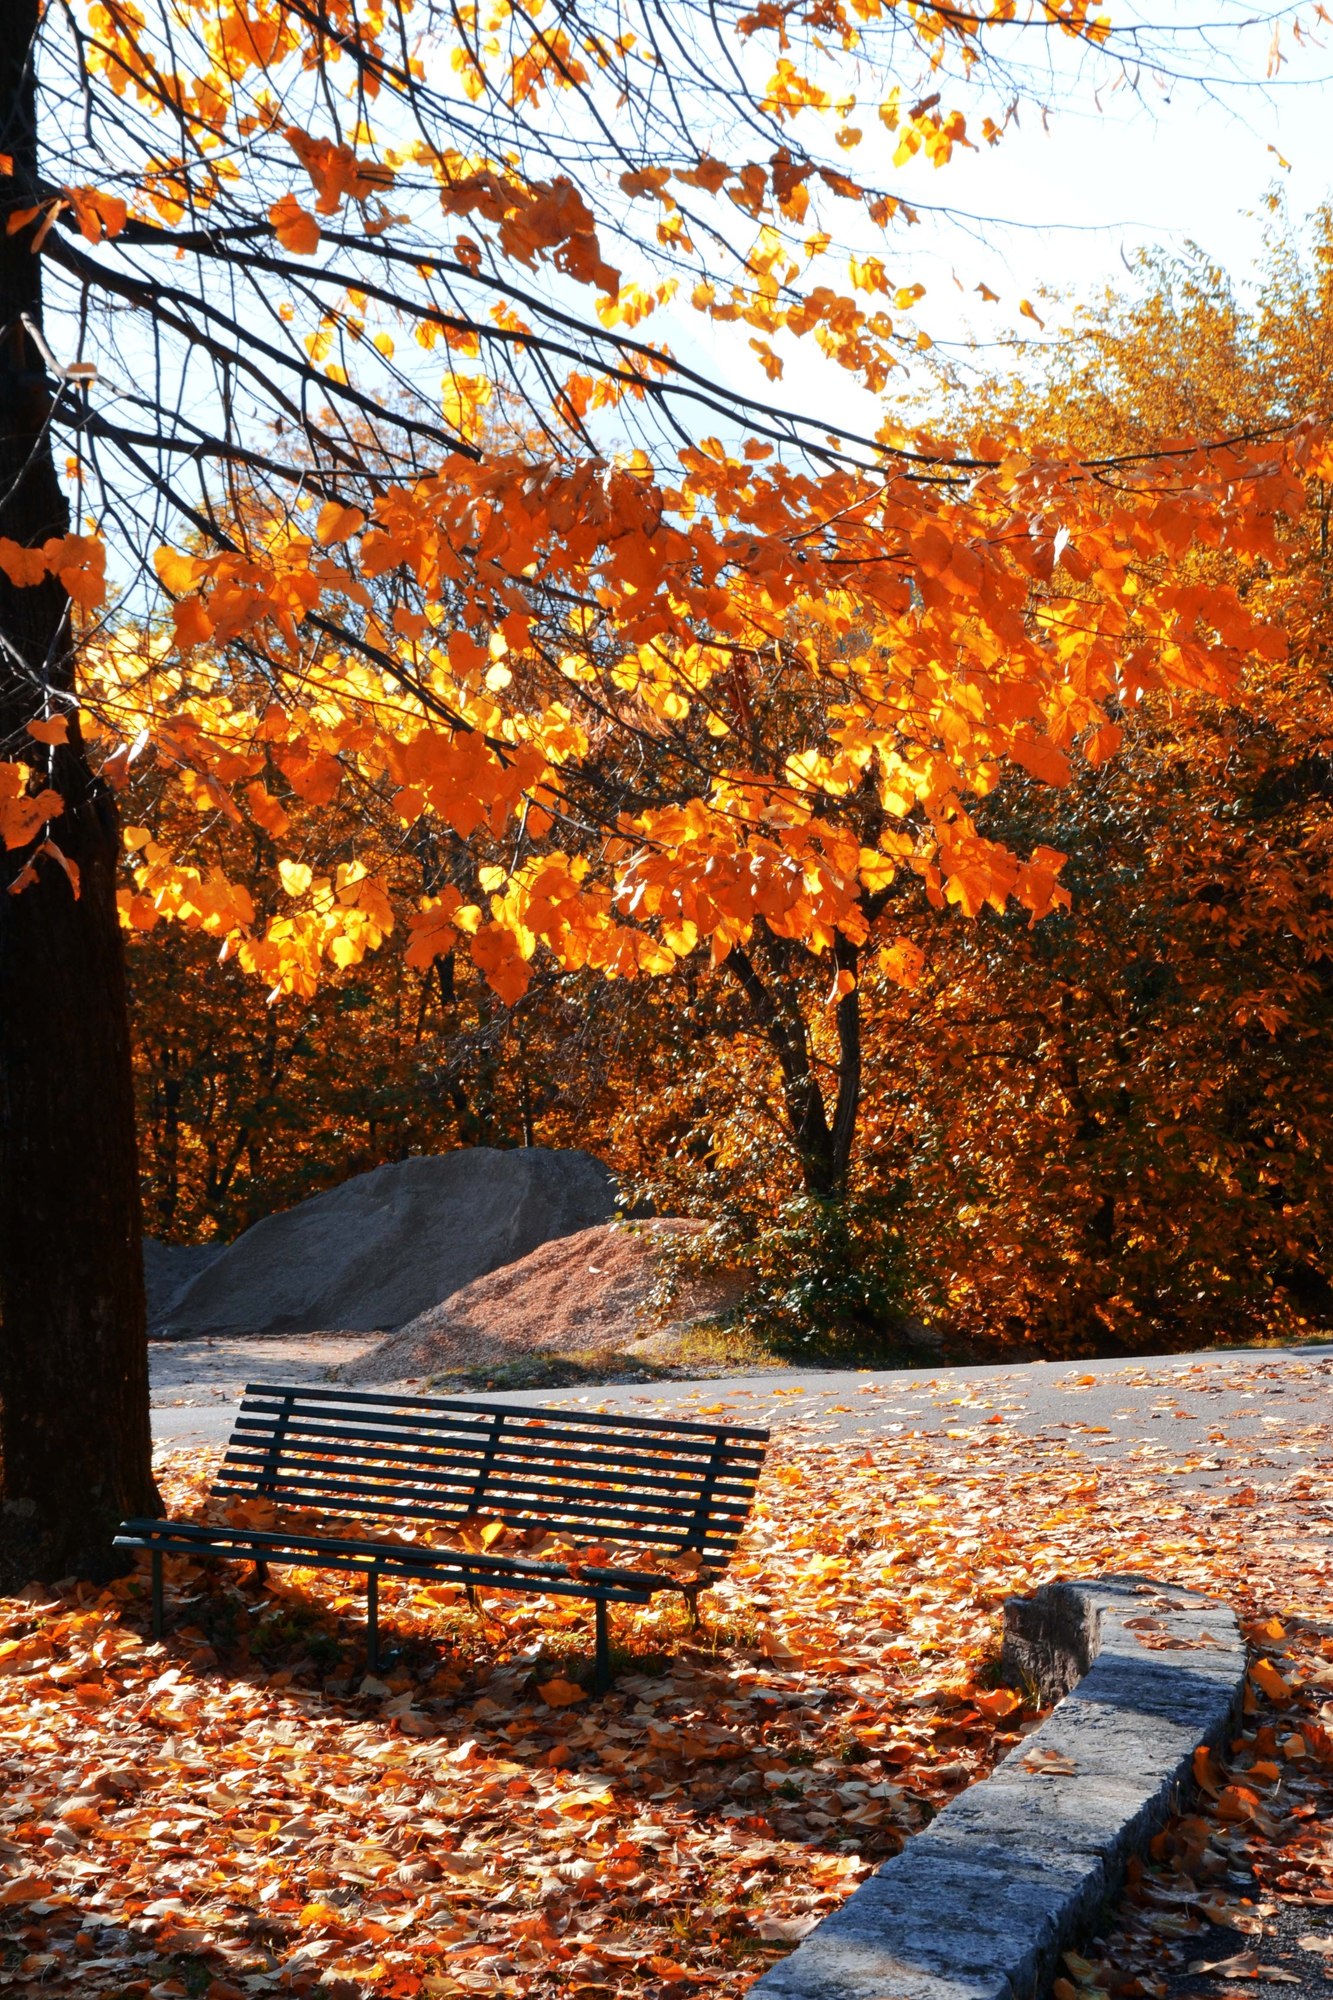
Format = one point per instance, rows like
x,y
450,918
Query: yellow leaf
x,y
1269,1681
193,624
297,229
295,877
21,565
54,730
1001,1702
338,523
176,571
21,817
903,962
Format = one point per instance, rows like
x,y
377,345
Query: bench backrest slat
x,y
515,1465
603,1450
419,1408
456,1496
434,1461
694,1444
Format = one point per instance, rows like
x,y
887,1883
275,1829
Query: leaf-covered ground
x,y
242,1809
1239,1889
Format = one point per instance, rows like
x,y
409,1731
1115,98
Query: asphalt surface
x,y
1209,1406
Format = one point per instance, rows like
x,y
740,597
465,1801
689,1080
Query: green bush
x,y
825,1271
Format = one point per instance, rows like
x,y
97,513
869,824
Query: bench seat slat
x,y
208,1535
450,1405
364,1557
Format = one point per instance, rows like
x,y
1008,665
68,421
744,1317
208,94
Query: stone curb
x,y
1016,1869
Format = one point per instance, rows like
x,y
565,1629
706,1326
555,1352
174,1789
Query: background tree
x,y
1113,1129
1124,1132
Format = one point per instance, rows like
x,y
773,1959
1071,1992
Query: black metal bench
x,y
679,1491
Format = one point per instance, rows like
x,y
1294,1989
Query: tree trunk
x,y
824,1147
74,1425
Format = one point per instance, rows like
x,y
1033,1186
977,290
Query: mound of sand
x,y
568,1297
387,1245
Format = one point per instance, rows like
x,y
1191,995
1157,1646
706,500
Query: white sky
x,y
1081,195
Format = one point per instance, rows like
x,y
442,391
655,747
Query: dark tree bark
x,y
74,1426
823,1143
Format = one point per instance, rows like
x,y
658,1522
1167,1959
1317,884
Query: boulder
x,y
385,1246
169,1267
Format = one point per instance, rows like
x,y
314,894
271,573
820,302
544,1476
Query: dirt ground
x,y
211,1373
198,1374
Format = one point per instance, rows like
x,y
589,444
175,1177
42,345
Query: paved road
x,y
1162,1406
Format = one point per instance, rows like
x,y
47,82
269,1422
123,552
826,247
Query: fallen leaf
x,y
1242,1962
789,1930
1049,1764
559,1693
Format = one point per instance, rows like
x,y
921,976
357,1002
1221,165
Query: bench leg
x,y
603,1662
373,1621
261,1570
691,1596
157,1593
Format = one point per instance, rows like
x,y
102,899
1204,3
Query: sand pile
x,y
387,1245
581,1293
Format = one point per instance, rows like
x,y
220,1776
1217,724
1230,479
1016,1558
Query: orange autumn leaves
x,y
78,560
99,215
497,723
820,656
1262,1808
24,812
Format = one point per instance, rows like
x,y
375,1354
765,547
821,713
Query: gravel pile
x,y
583,1293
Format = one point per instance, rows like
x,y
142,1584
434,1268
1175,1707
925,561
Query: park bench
x,y
488,1482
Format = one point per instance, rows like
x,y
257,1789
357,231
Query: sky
x,y
1062,204
1077,184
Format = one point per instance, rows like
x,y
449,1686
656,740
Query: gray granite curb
x,y
1016,1869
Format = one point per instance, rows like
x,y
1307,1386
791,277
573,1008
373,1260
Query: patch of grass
x,y
544,1370
571,1655
723,1635
195,1974
710,1348
638,1646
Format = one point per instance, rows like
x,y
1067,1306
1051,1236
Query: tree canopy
x,y
1107,1127
705,682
